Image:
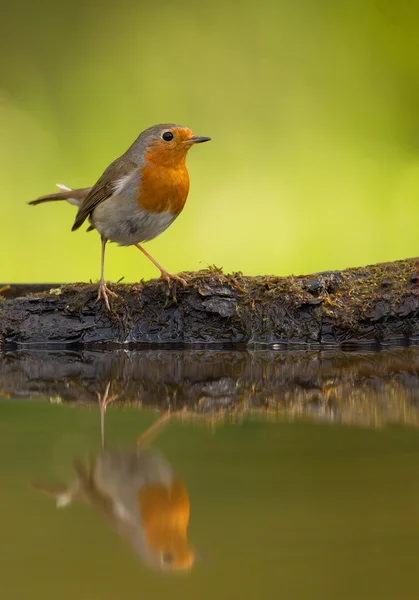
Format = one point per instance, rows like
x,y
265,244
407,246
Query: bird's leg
x,y
104,400
164,274
146,437
103,288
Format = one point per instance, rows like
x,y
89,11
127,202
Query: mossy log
x,y
360,388
376,304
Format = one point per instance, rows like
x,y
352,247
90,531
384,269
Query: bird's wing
x,y
104,188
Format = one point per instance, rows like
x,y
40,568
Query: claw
x,y
103,293
166,276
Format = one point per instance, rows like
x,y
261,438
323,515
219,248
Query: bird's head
x,y
168,144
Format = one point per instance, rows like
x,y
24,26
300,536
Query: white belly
x,y
124,222
121,475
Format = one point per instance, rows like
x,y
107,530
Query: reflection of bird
x,y
139,195
142,499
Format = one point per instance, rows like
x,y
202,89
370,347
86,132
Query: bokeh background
x,y
313,107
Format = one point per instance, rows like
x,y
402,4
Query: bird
x,y
138,195
140,498
138,494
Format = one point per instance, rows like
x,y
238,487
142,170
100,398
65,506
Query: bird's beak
x,y
197,139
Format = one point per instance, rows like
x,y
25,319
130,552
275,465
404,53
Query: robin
x,y
139,495
138,196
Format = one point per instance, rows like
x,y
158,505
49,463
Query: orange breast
x,y
165,515
164,508
163,188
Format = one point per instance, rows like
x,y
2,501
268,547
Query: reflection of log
x,y
361,388
378,303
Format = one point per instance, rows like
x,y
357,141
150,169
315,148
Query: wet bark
x,y
365,388
374,304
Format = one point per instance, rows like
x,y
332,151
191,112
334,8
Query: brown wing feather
x,y
103,188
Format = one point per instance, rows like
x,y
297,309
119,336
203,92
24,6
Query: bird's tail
x,y
72,196
63,494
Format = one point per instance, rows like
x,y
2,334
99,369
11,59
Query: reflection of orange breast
x,y
165,515
163,188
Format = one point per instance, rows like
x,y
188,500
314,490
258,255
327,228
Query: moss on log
x,y
373,304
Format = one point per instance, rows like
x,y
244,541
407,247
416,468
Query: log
x,y
377,304
358,388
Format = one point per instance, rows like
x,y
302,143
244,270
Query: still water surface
x,y
270,475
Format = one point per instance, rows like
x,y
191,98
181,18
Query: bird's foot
x,y
104,291
105,399
166,276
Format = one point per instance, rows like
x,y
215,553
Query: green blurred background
x,y
313,107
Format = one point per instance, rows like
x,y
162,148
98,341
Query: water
x,y
301,471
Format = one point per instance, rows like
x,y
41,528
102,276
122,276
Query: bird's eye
x,y
167,558
167,136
